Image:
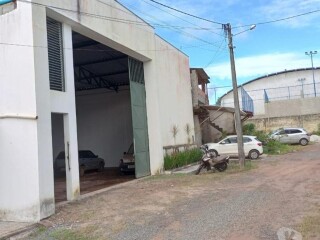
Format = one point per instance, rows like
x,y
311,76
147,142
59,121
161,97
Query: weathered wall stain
x,y
309,122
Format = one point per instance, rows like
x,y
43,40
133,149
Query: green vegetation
x,y
250,129
234,167
318,130
180,159
67,234
273,147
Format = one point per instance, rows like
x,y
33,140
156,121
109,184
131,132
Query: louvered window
x,y
55,54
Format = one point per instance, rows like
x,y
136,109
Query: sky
x,y
269,48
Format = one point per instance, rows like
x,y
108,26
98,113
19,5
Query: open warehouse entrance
x,y
111,116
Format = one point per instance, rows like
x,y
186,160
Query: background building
x,y
210,122
283,99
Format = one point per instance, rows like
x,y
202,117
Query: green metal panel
x,y
139,118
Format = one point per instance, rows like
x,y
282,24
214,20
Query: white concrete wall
x,y
105,124
18,136
173,76
278,82
294,107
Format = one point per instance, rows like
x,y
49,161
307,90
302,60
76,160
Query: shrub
x,y
182,158
276,147
249,129
318,130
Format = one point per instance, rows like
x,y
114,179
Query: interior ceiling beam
x,y
85,44
104,60
105,75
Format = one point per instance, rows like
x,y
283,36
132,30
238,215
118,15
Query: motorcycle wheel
x,y
201,166
221,166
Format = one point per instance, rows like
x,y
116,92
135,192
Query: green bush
x,y
182,158
276,147
250,129
318,130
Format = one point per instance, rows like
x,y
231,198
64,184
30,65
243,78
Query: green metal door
x,y
139,118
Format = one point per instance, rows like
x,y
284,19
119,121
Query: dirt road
x,y
283,191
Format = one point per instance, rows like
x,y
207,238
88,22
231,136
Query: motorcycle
x,y
209,160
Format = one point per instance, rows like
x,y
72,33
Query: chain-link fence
x,y
271,94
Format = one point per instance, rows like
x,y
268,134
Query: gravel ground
x,y
247,205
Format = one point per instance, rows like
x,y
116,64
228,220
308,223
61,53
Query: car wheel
x,y
253,154
303,142
214,152
101,167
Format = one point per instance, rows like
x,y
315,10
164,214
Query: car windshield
x,y
61,155
86,154
130,150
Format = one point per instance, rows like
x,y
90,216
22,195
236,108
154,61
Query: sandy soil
x,y
254,204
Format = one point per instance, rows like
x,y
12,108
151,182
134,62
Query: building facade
x,y
78,75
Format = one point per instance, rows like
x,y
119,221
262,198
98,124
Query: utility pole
x,y
238,125
311,53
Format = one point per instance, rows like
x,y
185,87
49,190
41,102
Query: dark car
x,y
127,162
87,161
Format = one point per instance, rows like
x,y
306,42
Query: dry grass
x,y
310,227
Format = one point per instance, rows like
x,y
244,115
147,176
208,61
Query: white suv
x,y
252,146
291,135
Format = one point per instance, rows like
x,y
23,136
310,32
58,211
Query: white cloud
x,y
259,65
278,9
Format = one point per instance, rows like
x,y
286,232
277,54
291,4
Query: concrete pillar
x,y
71,150
70,120
44,131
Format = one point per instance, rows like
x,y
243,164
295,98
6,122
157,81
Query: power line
x,y
121,20
185,13
98,50
280,19
181,18
177,30
219,50
116,19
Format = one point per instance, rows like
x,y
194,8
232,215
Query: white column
x,y
71,150
70,120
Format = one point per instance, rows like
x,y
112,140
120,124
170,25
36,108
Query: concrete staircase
x,y
215,126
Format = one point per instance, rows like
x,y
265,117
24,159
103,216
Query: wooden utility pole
x,y
238,125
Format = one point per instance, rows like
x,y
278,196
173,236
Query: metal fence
x,y
291,92
247,101
253,100
272,94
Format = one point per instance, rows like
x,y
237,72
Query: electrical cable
x,y
179,31
121,20
280,19
185,13
181,18
112,19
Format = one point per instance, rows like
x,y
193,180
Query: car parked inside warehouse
x,y
127,164
229,145
87,161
